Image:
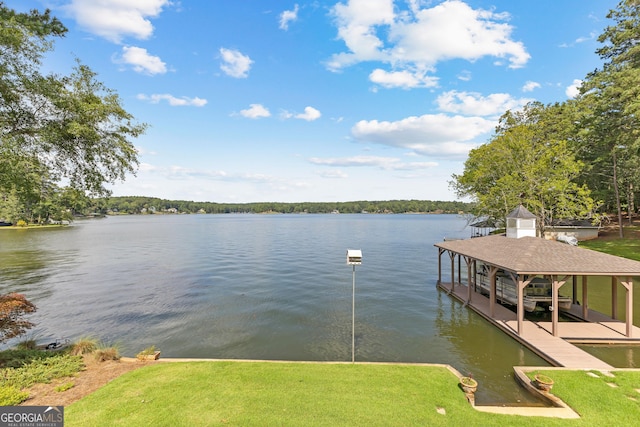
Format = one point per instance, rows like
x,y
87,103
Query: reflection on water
x,y
619,356
260,287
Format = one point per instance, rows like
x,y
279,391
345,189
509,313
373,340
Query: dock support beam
x,y
614,297
585,299
493,272
628,285
469,262
556,284
452,256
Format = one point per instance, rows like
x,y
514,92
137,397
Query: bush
x,y
84,345
107,353
16,358
13,308
64,387
41,370
10,396
27,345
21,223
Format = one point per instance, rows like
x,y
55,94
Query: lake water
x,y
260,287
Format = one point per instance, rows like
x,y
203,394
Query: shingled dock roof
x,y
534,255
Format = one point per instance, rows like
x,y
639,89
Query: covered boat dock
x,y
525,258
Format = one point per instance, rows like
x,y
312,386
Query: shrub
x,y
16,358
29,344
13,308
21,223
64,387
107,353
41,370
10,396
84,345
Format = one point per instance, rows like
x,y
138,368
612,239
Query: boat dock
x,y
537,335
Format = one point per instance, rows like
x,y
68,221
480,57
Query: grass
x,y
318,394
598,398
626,248
240,393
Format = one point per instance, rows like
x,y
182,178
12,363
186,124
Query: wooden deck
x,y
537,336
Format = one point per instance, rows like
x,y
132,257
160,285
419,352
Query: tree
x,y
68,127
13,307
611,96
524,164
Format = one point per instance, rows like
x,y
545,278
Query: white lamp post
x,y
354,257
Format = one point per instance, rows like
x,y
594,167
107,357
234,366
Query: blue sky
x,y
260,100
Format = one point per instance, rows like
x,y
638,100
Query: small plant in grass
x,y
468,384
148,353
84,345
543,382
64,387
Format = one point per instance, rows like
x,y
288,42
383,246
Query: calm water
x,y
259,287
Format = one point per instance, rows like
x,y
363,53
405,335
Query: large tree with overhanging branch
x,y
56,128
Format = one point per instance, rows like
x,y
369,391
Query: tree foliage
x,y
13,308
556,159
611,96
525,163
152,205
52,127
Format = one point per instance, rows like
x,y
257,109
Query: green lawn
x,y
626,248
318,394
600,399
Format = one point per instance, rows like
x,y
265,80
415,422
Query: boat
x,y
537,294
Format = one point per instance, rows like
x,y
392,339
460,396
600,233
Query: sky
x,y
321,101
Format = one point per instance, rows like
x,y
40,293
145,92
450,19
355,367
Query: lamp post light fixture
x,y
354,257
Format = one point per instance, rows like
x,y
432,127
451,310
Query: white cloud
x,y
419,38
403,79
234,63
473,103
288,16
173,101
116,19
386,163
310,114
430,134
573,90
334,174
530,86
255,111
592,36
142,61
464,75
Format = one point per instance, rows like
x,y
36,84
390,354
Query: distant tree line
x,y
151,205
